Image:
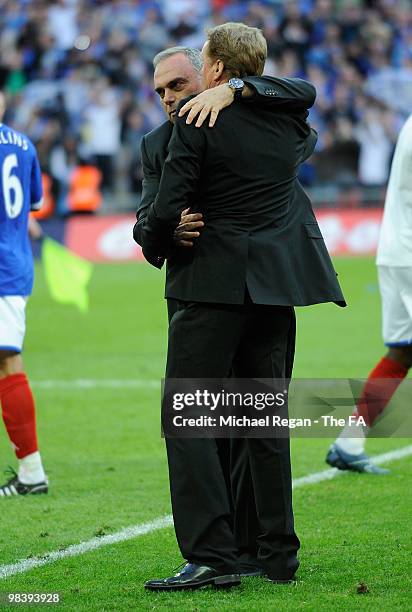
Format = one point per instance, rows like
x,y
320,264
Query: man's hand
x,y
186,231
209,102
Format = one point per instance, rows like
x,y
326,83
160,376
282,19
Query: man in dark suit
x,y
178,74
259,254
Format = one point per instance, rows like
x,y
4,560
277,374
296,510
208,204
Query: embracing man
x,y
178,74
259,253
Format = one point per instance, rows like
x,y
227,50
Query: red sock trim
x,y
389,368
10,381
19,413
381,385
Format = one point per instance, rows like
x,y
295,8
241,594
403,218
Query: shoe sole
x,y
221,582
39,492
34,492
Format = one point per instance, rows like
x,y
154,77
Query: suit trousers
x,y
223,444
226,515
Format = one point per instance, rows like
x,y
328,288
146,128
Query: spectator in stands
x,y
376,139
101,132
295,29
134,130
84,188
63,160
62,23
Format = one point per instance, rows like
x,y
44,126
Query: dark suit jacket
x,y
278,94
260,230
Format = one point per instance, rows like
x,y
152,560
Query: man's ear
x,y
218,70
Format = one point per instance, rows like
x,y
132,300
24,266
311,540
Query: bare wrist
x,y
232,91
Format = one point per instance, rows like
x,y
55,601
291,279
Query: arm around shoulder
x,y
286,93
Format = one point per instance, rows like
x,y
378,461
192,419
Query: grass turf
x,y
106,460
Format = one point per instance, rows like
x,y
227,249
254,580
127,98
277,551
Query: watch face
x,y
236,83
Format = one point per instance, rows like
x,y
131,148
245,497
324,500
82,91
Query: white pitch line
x,y
79,549
89,383
129,533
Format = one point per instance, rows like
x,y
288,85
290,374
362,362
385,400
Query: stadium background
x,y
78,80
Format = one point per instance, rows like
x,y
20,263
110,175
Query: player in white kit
x,y
394,262
20,192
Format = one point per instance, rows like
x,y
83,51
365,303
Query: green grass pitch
x,y
106,461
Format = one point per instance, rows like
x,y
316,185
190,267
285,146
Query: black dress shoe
x,y
194,576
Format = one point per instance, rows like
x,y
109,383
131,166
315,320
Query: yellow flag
x,y
67,275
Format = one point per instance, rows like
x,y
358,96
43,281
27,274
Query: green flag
x,y
67,274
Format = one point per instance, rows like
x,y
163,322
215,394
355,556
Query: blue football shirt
x,y
20,192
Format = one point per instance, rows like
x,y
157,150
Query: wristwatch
x,y
237,85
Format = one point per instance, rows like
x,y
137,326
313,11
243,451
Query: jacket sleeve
x,y
310,144
281,93
177,188
150,187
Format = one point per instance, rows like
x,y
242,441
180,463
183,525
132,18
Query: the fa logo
x,y
357,420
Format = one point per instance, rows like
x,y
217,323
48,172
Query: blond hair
x,y
242,49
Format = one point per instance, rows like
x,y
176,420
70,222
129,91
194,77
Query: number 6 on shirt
x,y
11,184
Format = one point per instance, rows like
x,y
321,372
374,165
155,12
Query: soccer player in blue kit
x,y
20,192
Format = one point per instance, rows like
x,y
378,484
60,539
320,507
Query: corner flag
x,y
67,275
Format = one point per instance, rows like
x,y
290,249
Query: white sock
x,y
352,438
31,469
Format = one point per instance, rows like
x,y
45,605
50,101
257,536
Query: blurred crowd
x,y
78,78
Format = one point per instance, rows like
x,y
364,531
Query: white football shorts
x,y
395,285
12,322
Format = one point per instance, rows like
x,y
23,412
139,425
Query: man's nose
x,y
169,97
